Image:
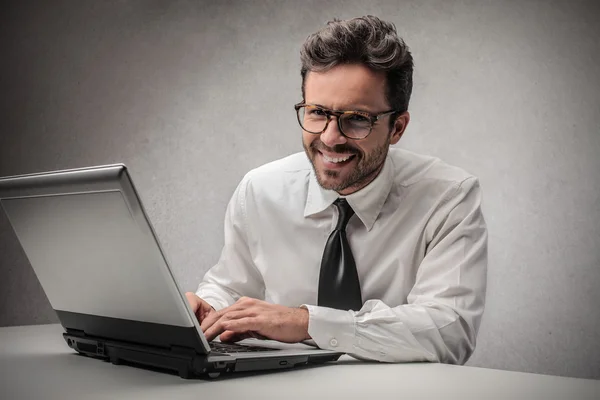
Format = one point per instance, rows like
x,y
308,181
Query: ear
x,y
399,127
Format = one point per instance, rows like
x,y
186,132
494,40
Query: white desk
x,y
35,363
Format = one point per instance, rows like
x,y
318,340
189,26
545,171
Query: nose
x,y
332,135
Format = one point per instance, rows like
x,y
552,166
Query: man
x,y
367,250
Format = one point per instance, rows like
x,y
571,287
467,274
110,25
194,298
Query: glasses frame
x,y
338,113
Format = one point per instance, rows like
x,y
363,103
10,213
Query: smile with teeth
x,y
337,159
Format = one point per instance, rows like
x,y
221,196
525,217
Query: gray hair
x,y
368,41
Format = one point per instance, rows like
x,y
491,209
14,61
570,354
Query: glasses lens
x,y
355,125
312,119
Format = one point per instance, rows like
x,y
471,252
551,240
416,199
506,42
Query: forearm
x,y
401,334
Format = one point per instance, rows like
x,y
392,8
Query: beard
x,y
365,170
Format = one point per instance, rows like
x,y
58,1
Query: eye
x,y
315,112
358,119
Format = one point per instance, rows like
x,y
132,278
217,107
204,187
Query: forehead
x,y
347,86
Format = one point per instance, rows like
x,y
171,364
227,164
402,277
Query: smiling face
x,y
342,164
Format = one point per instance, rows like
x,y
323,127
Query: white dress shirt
x,y
418,238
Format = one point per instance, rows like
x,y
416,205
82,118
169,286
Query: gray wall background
x,y
191,95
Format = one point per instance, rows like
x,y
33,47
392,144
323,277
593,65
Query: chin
x,y
328,182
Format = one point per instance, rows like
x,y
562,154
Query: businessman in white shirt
x,y
362,248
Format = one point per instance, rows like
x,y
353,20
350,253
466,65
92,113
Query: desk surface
x,y
36,363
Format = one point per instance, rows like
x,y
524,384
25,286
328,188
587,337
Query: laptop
x,y
93,249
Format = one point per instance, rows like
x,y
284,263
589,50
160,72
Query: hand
x,y
255,318
201,308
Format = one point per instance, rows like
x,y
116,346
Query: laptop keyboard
x,y
219,347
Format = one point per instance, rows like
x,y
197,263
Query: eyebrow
x,y
353,109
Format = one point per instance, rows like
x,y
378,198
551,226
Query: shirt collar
x,y
366,203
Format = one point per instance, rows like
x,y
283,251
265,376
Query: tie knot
x,y
345,212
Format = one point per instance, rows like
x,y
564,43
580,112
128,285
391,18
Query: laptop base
x,y
186,362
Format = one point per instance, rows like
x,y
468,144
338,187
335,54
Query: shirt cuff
x,y
331,329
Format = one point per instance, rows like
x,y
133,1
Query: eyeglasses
x,y
352,124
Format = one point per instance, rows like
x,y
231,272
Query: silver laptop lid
x,y
92,246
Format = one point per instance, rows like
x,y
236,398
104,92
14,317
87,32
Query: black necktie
x,y
338,282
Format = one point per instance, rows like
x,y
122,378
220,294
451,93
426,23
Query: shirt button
x,y
333,342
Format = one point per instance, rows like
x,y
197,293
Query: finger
x,y
211,319
204,313
243,325
193,301
216,328
256,335
230,336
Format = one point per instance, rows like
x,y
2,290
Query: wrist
x,y
304,319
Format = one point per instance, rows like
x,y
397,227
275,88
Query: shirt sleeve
x,y
234,274
440,321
